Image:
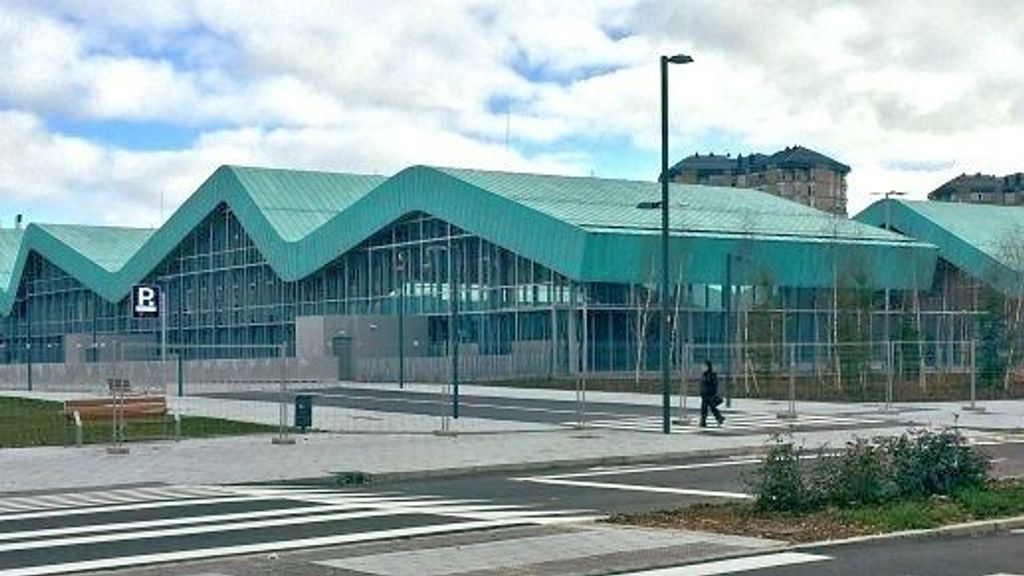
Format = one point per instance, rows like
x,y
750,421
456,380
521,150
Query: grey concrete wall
x,y
372,336
132,347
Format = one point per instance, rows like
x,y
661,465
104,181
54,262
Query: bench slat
x,y
132,408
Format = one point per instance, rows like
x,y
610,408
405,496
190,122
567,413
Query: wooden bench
x,y
126,408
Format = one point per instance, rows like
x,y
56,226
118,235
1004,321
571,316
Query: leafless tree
x,y
643,321
1011,254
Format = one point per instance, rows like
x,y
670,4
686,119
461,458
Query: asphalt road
x,y
641,487
87,531
605,490
118,528
989,555
1007,459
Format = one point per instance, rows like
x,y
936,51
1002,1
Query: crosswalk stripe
x,y
339,507
132,506
994,438
276,546
167,522
318,507
436,505
57,501
735,565
190,530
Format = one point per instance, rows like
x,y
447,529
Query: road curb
x,y
338,478
966,529
975,528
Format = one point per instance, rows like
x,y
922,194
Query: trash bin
x,y
303,412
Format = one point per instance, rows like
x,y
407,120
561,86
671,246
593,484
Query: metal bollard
x,y
890,377
973,406
790,413
79,435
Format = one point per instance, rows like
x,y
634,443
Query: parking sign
x,y
146,301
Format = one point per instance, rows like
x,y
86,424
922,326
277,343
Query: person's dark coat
x,y
708,384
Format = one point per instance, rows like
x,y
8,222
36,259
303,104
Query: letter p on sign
x,y
146,301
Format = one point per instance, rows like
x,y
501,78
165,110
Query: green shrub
x,y
779,484
926,463
916,465
859,474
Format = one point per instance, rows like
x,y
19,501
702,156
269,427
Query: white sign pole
x,y
163,342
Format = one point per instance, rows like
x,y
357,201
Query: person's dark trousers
x,y
705,405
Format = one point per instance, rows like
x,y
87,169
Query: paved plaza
x,y
399,444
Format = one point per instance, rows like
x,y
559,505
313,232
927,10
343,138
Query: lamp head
x,y
679,59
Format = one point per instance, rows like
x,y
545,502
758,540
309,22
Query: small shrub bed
x,y
914,466
919,480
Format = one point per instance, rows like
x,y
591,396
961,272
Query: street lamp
x,y
666,397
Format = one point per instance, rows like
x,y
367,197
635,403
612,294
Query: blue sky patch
x,y
543,72
127,134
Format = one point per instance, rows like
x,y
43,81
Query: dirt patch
x,y
999,499
744,520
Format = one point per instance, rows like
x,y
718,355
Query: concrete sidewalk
x,y
400,444
255,459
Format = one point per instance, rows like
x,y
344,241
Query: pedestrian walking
x,y
709,398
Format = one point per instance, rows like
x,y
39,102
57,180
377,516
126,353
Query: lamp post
x,y
666,397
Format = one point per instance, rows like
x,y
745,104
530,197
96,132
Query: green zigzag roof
x,y
987,242
588,229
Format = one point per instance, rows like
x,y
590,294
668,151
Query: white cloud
x,y
117,186
37,164
907,93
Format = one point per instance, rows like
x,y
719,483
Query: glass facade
x,y
224,301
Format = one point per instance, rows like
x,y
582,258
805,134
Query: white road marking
x,y
345,512
735,565
133,506
655,468
994,438
327,506
188,530
166,522
94,498
339,505
635,488
278,546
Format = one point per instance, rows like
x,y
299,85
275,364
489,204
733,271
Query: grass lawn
x,y
26,422
998,500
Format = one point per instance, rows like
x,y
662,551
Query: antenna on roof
x,y
508,124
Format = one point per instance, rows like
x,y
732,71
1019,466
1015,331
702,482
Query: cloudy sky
x,y
105,107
